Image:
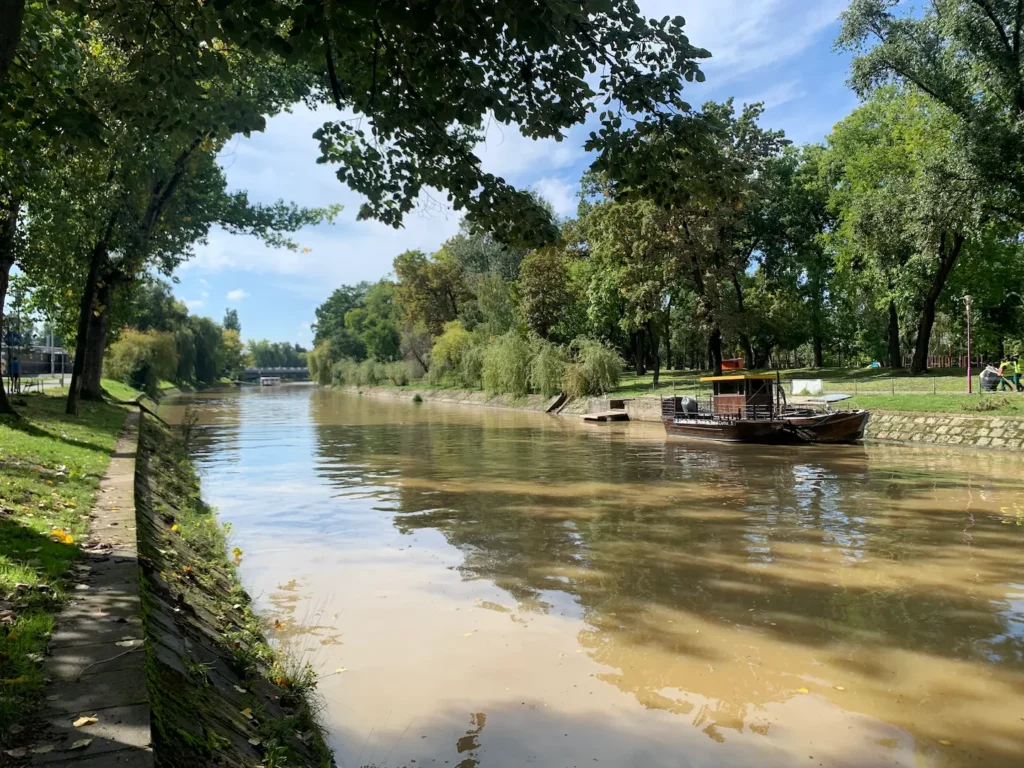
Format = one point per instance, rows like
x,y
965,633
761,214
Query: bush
x,y
319,363
471,368
596,370
506,365
343,372
369,373
547,368
397,373
142,359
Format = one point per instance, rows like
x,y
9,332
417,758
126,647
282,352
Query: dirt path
x,y
97,661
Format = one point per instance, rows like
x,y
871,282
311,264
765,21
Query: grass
x,y
983,405
50,467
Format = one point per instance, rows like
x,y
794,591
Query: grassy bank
x,y
957,405
50,467
219,694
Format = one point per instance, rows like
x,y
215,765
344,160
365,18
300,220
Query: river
x,y
494,589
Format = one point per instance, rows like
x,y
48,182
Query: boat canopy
x,y
829,398
741,377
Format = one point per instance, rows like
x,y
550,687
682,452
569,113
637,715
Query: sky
x,y
775,51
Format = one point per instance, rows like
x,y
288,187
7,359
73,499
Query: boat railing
x,y
706,411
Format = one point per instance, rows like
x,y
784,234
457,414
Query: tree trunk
x,y
715,350
99,253
655,343
638,353
12,14
948,254
816,343
8,233
748,349
895,360
668,337
99,328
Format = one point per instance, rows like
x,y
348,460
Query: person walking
x,y
14,379
1018,372
1006,368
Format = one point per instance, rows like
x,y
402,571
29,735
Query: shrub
x,y
506,365
142,359
319,363
343,372
596,370
397,373
547,368
369,373
471,368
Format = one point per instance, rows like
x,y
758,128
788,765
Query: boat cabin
x,y
744,395
269,381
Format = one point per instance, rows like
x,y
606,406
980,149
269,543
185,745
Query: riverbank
x,y
219,693
972,429
146,561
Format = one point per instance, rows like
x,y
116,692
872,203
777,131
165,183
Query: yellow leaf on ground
x,y
802,690
247,713
254,741
946,742
80,744
174,527
840,688
468,634
339,670
85,720
15,680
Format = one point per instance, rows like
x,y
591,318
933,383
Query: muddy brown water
x,y
494,589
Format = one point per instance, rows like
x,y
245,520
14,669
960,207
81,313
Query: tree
x,y
232,354
231,321
906,202
544,290
376,322
431,289
966,55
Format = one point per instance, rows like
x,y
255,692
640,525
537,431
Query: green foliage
x,y
318,361
506,365
142,359
596,368
397,373
276,354
431,290
547,367
544,290
231,322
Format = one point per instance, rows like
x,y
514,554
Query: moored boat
x,y
751,408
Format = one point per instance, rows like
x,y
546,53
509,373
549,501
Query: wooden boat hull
x,y
838,427
738,431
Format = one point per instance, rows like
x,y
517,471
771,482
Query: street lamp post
x,y
970,379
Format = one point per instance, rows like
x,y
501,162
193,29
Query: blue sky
x,y
775,51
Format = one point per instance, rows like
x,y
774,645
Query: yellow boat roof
x,y
740,377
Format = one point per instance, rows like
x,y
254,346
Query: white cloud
x,y
237,294
561,194
194,304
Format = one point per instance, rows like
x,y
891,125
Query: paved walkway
x,y
97,660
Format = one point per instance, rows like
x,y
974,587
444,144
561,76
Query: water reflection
x,y
600,593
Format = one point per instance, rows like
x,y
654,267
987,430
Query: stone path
x,y
97,661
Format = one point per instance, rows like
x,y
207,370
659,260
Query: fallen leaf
x,y
840,688
247,713
240,689
802,690
254,741
126,643
80,744
85,720
15,680
81,587
946,742
42,749
339,670
175,528
468,634
52,698
17,753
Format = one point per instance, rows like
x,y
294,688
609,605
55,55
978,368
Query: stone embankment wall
x,y
991,432
974,431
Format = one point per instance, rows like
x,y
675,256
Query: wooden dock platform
x,y
616,415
